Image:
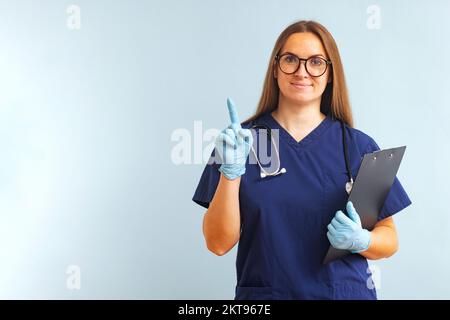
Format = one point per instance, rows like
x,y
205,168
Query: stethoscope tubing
x,y
264,173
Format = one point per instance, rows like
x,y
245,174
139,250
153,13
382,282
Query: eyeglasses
x,y
289,63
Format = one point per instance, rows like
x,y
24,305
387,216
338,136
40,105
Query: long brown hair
x,y
334,101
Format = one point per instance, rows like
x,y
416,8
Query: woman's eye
x,y
290,59
316,61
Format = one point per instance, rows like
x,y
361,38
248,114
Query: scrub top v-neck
x,y
289,139
284,218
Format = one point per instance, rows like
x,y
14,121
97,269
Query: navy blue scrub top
x,y
284,218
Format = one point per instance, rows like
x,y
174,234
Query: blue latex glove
x,y
347,233
233,145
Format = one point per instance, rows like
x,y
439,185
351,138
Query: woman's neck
x,y
298,119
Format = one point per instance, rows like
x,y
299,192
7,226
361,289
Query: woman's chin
x,y
301,98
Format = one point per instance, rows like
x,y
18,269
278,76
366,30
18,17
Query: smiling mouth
x,y
301,86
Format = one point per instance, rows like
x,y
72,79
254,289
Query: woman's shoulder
x,y
262,118
364,141
355,136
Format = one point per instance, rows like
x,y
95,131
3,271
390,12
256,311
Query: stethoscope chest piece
x,y
277,172
349,186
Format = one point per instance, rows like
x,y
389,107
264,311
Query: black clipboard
x,y
370,189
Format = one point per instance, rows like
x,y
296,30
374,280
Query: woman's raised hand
x,y
233,145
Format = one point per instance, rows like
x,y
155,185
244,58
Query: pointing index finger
x,y
233,114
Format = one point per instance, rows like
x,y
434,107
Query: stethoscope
x,y
264,173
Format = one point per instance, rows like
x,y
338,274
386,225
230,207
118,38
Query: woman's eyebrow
x,y
314,55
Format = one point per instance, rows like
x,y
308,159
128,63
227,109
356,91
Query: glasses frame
x,y
279,56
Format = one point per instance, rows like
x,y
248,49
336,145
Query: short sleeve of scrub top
x,y
208,183
284,218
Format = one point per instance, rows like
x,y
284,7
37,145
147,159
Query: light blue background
x,y
86,118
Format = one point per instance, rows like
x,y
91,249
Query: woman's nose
x,y
301,71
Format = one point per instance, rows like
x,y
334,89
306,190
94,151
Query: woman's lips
x,y
301,86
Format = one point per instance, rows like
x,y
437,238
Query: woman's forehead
x,y
304,44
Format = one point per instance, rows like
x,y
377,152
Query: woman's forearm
x,y
384,241
222,222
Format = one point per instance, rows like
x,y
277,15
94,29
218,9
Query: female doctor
x,y
286,220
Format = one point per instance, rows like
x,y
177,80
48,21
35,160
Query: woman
x,y
285,223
